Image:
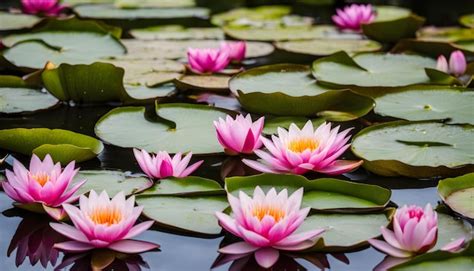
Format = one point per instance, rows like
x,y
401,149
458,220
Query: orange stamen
x,y
261,211
301,144
106,216
41,178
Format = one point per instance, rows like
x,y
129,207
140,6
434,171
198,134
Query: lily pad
x,y
178,32
323,47
131,4
458,194
178,128
428,103
139,49
251,14
434,48
416,149
446,34
346,232
84,43
392,24
10,21
187,186
272,124
104,11
372,70
189,214
289,90
214,83
17,97
111,181
326,194
451,229
467,20
63,145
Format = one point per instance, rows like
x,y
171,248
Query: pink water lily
x,y
239,135
415,231
235,49
42,7
45,184
101,222
299,151
161,165
352,17
207,60
457,63
267,224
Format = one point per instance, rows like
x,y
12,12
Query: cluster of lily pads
x,y
74,53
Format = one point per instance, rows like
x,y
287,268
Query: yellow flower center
x,y
41,178
106,216
261,211
301,144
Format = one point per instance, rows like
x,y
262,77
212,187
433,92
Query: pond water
x,y
181,252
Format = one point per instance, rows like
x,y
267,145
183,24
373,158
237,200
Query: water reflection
x,y
102,260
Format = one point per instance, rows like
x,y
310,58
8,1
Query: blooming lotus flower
x,y
352,17
46,7
299,151
239,135
162,165
457,63
207,60
104,223
267,223
235,50
43,184
415,231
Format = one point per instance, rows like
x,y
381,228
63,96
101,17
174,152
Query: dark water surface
x,y
180,252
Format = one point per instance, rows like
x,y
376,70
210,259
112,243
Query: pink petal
x,y
388,249
69,232
73,246
139,228
132,246
267,257
227,223
340,166
455,245
238,248
295,239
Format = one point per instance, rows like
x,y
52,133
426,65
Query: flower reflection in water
x,y
103,260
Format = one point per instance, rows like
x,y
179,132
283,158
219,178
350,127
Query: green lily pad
x,y
446,34
10,21
189,214
440,261
458,194
272,124
292,33
326,194
416,149
81,2
346,232
451,229
131,4
187,186
434,48
63,41
178,128
428,103
157,49
177,32
392,24
111,181
17,97
104,11
467,20
323,47
141,92
63,145
372,71
289,90
213,83
251,14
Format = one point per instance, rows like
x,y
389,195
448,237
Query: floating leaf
x,y
187,186
139,49
63,145
370,72
178,128
10,21
177,32
434,48
392,24
323,47
467,20
446,34
272,124
111,181
251,14
189,214
321,194
416,149
17,97
428,103
458,194
289,90
217,83
131,4
103,11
